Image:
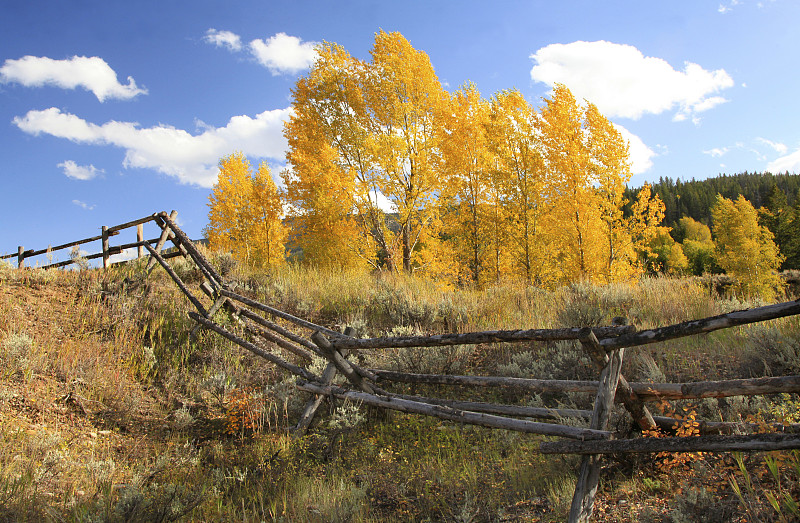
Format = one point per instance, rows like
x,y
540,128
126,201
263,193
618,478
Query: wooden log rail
x,y
645,391
474,338
487,420
106,250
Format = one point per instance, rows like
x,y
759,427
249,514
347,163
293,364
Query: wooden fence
x,y
106,250
261,334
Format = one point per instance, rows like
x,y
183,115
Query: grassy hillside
x,y
110,412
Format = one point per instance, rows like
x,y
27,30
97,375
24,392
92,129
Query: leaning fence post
x,y
104,239
20,257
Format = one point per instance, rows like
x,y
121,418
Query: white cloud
x,y
90,73
281,53
224,39
727,8
780,148
79,172
83,205
640,154
790,162
192,159
622,82
716,152
125,255
284,54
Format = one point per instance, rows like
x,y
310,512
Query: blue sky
x,y
113,110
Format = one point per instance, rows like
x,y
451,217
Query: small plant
x,y
78,259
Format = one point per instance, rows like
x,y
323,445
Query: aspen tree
x,y
245,213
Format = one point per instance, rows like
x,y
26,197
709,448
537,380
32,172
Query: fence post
x,y
20,257
105,246
589,474
139,239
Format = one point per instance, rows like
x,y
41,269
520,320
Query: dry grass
x,y
110,412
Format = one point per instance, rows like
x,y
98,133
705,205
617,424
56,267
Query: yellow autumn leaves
x,y
387,169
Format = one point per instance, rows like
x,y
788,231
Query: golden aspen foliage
x,y
245,213
609,165
465,193
744,249
266,229
404,102
587,161
327,159
644,226
523,185
364,132
697,245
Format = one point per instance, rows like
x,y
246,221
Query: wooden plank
x,y
528,384
65,245
718,389
255,349
589,474
473,338
750,442
689,328
460,416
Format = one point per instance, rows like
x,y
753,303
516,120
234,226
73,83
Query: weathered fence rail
x,y
283,346
106,250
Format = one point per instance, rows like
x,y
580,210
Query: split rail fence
x,y
263,335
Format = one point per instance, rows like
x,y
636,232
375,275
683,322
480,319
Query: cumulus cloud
x,y
79,172
83,205
622,82
224,39
191,158
281,53
789,162
284,54
641,155
90,73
